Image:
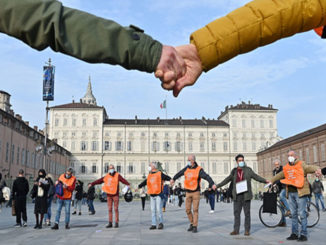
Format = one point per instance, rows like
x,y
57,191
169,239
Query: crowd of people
x,y
290,181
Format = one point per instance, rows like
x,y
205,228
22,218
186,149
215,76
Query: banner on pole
x,y
48,83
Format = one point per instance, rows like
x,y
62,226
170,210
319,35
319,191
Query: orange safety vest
x,y
293,175
68,182
191,178
321,31
154,183
111,183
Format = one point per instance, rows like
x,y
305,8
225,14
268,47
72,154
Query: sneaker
x,y
36,226
91,213
211,212
324,210
109,225
116,225
24,224
79,213
17,225
153,227
234,233
194,229
292,237
190,227
67,227
55,227
74,213
247,233
163,209
302,238
160,226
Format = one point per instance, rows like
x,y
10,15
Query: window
x,y
83,169
235,146
65,122
167,146
143,134
201,134
7,152
315,153
83,146
178,135
129,146
18,154
74,122
106,167
118,146
178,166
243,123
226,168
73,147
167,167
84,134
95,134
155,146
225,146
107,145
244,146
253,123
307,156
64,134
23,157
84,121
322,150
213,135
190,146
190,134
94,122
253,146
178,146
262,123
202,146
234,123
12,153
143,168
73,134
94,168
214,168
271,125
94,145
64,144
225,135
213,146
107,133
166,134
119,168
130,168
56,122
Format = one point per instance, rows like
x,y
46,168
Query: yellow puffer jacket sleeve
x,y
256,24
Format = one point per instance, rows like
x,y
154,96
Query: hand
x,y
214,187
194,67
170,67
57,182
39,183
65,186
89,185
171,182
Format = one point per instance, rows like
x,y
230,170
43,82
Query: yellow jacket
x,y
256,24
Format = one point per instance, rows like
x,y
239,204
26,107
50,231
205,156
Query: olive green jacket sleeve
x,y
46,23
256,24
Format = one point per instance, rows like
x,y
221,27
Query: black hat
x,y
128,196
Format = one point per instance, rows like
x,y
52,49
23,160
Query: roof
x,y
296,137
76,105
163,122
248,107
4,92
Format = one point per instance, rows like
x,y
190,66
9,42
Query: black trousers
x,y
143,199
20,207
238,205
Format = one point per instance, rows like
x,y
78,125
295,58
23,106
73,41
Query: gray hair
x,y
155,164
193,157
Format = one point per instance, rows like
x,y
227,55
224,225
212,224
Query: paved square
x,y
134,224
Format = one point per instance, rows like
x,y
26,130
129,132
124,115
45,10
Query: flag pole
x,y
166,108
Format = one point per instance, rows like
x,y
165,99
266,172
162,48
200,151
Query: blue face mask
x,y
241,164
188,163
317,179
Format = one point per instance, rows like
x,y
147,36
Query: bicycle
x,y
272,220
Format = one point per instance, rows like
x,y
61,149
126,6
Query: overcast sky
x,y
290,74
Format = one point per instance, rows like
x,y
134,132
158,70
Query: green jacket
x,y
305,190
46,23
248,174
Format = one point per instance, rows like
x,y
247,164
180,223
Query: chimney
x,y
35,128
11,112
136,119
27,123
41,132
81,101
19,117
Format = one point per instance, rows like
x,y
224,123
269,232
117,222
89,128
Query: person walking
x,y
40,193
282,193
90,200
240,177
143,198
69,182
78,197
20,189
111,188
166,190
193,174
318,189
179,192
211,197
51,194
294,176
155,181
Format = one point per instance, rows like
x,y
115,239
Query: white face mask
x,y
149,169
291,159
111,171
189,163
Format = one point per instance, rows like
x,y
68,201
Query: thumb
x,y
179,85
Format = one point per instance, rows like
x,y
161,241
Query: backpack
x,y
59,189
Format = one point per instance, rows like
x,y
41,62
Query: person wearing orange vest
x,y
155,181
111,188
69,182
294,176
193,174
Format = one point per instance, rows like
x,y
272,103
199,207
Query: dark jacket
x,y
46,23
20,187
45,186
317,187
248,174
278,183
163,177
91,193
202,175
79,190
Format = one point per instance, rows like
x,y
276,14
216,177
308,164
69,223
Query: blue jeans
x,y
212,201
78,204
285,202
47,216
165,199
156,208
298,207
61,203
91,206
319,196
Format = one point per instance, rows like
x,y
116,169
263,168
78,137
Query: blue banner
x,y
48,83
